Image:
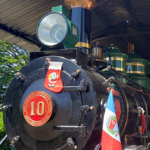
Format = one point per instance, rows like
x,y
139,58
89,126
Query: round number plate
x,y
37,108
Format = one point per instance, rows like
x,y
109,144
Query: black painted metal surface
x,y
66,106
81,17
71,117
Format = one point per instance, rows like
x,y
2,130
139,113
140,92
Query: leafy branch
x,y
12,59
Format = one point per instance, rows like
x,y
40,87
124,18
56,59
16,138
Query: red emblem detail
x,y
37,108
114,92
53,80
112,124
117,109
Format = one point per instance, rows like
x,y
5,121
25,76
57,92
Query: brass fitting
x,y
140,129
47,59
108,89
18,73
125,140
75,147
87,4
7,107
97,43
139,111
91,108
4,107
78,71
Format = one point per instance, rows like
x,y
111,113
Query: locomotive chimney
x,y
80,15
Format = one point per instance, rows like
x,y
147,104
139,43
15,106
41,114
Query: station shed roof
x,y
113,22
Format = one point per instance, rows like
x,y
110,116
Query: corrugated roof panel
x,y
23,16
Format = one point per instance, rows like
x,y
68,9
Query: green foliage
x,y
12,59
6,145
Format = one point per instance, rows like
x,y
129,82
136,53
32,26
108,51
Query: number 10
x,y
38,108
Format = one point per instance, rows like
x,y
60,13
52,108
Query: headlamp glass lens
x,y
57,32
52,29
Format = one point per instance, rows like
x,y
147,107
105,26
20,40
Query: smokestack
x,y
80,15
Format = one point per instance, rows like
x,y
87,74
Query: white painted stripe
x,y
55,65
106,121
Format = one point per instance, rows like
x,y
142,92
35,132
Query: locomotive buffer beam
x,y
82,87
81,129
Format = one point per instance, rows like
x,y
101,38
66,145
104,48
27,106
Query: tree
x,y
12,59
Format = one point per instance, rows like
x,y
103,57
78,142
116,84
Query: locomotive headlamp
x,y
54,29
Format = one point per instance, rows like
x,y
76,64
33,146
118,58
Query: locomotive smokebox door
x,y
44,119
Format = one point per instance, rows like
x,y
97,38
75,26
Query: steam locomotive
x,y
38,118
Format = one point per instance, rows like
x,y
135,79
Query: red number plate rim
x,y
48,114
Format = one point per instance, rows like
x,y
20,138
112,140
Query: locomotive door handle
x,y
81,129
82,87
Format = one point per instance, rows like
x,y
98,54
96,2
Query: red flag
x,y
110,132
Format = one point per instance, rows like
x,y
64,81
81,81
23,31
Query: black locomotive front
x,y
75,110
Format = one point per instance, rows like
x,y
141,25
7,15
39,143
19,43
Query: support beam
x,y
19,34
121,35
126,5
140,28
108,31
